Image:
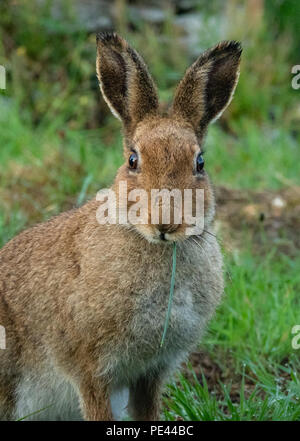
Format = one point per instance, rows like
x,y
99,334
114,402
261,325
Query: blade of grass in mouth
x,y
170,296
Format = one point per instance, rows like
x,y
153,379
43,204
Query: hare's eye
x,y
200,163
133,161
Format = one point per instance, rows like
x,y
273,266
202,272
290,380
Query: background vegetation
x,y
59,145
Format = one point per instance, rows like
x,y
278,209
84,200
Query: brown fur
x,y
86,303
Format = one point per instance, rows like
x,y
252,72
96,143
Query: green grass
x,y
261,306
56,152
193,401
250,337
269,156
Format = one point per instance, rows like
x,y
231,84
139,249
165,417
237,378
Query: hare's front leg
x,y
145,398
95,399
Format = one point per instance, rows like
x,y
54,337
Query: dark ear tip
x,y
109,38
236,46
231,46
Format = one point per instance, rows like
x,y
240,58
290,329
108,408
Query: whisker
x,y
214,235
207,242
211,234
200,246
197,243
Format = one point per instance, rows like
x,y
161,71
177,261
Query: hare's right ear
x,y
208,85
125,82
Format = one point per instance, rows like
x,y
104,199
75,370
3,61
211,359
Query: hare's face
x,y
164,153
164,159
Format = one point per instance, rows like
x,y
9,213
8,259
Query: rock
x,y
89,15
195,28
94,15
278,204
186,5
148,14
98,15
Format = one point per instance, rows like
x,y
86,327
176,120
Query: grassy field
x,y
57,150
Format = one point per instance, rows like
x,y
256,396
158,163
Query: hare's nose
x,y
166,228
162,236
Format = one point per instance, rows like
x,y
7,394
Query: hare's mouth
x,y
158,235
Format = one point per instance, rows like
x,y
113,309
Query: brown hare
x,y
83,304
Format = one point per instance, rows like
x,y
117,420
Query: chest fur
x,y
185,318
140,351
198,286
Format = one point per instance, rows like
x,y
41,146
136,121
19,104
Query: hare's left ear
x,y
125,82
208,85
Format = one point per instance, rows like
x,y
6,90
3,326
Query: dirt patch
x,y
263,218
36,191
203,364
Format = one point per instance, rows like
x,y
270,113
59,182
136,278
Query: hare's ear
x,y
208,85
125,82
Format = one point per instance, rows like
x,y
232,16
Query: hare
x,y
83,304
